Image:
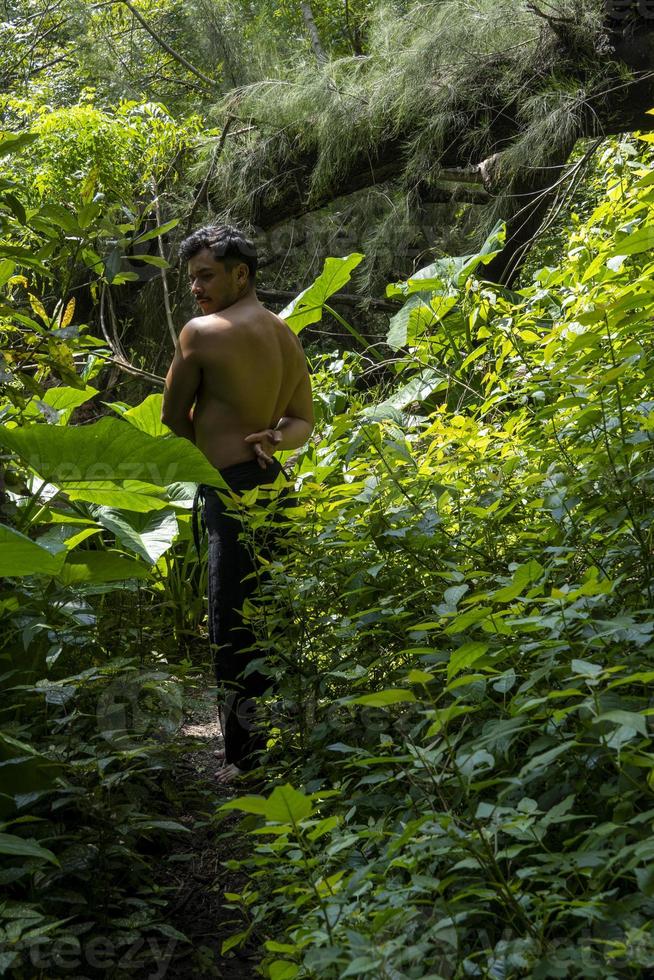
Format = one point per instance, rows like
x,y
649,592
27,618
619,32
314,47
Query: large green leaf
x,y
24,256
452,270
147,416
287,803
284,804
523,576
156,232
181,495
406,324
19,847
61,401
640,240
283,970
21,556
247,804
464,657
149,535
108,450
22,770
381,699
155,260
64,537
100,566
129,495
307,307
15,142
60,216
11,203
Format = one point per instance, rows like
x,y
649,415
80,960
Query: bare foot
x,y
227,774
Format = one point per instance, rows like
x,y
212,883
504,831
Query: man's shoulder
x,y
199,327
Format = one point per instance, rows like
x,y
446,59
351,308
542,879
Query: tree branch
x,y
166,47
618,101
129,368
552,19
529,199
204,187
346,299
164,278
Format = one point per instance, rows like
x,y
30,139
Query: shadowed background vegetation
x,y
453,202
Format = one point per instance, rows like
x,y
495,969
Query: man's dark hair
x,y
226,243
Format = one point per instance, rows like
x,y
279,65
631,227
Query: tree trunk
x,y
310,24
527,204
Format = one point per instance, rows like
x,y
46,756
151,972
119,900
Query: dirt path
x,y
194,869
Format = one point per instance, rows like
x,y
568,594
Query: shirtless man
x,y
238,387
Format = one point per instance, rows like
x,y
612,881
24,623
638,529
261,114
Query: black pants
x,y
234,572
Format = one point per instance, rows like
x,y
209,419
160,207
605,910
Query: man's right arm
x,y
182,383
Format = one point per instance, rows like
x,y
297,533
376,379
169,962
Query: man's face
x,y
213,286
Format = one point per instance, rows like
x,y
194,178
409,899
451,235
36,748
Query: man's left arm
x,y
182,383
292,430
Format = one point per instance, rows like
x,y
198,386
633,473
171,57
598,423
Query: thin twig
x,y
116,346
164,278
129,368
209,174
574,175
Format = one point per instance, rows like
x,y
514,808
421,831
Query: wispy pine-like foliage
x,y
434,75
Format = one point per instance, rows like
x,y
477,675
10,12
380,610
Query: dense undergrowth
x,y
101,591
469,785
459,765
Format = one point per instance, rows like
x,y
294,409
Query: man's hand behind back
x,y
265,445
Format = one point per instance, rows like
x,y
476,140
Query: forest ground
x,y
193,868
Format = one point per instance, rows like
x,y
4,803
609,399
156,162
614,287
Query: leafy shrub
x,y
472,629
90,616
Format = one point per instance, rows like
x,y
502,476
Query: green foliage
x,y
307,307
89,588
433,291
460,771
472,634
85,151
22,556
55,51
434,75
109,451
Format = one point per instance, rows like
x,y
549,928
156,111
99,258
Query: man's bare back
x,y
253,371
239,373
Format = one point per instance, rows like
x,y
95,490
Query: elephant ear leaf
x,y
149,535
308,306
15,846
107,450
20,555
147,416
406,324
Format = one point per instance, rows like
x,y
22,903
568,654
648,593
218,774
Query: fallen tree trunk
x,y
618,102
